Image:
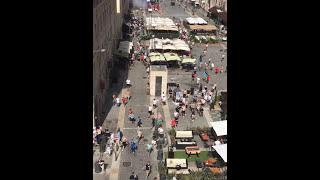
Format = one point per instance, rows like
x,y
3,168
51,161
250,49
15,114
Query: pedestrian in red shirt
x,y
142,58
130,111
124,101
207,47
217,70
208,78
173,123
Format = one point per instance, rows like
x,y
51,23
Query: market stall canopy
x,y
171,47
121,54
171,57
163,28
159,21
154,54
157,58
188,60
197,20
222,151
220,127
203,27
183,47
166,41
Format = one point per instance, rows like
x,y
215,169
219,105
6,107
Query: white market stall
x,y
222,151
219,129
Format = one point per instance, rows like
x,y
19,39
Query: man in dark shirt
x,y
148,168
133,176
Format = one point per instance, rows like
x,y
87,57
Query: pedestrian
x,y
142,58
200,65
222,57
132,118
140,136
198,80
128,94
120,134
217,70
139,123
176,117
193,114
221,70
183,112
212,66
159,119
113,99
124,102
118,101
194,74
208,78
204,76
101,163
173,123
149,148
226,69
155,103
112,138
148,168
128,83
108,150
150,111
160,131
124,142
133,146
153,121
133,176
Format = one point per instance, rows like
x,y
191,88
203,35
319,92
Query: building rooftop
x,y
158,68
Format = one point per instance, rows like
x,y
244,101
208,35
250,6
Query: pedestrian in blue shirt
x,y
133,146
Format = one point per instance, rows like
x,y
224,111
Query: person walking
x,y
221,69
153,121
207,47
155,103
212,67
204,76
208,78
139,123
133,146
128,81
150,111
173,123
217,70
222,57
124,142
124,102
133,176
148,169
140,136
128,94
108,150
149,148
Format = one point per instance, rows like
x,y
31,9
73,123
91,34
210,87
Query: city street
x,y
117,117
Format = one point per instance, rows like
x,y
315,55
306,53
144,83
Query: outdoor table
x,y
204,136
192,150
181,171
183,134
215,170
171,163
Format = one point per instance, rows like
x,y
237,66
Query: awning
x,y
222,151
157,58
171,47
171,57
121,54
203,27
154,54
182,47
188,60
220,127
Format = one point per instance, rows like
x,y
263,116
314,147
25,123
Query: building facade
x,y
222,4
107,24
